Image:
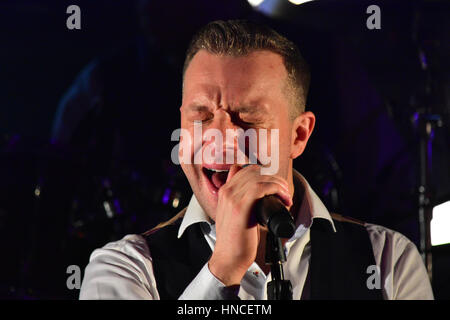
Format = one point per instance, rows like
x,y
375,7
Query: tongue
x,y
219,179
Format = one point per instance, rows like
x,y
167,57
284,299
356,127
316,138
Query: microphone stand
x,y
278,288
426,124
425,121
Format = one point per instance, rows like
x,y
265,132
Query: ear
x,y
302,128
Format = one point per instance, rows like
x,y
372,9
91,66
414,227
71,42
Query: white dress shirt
x,y
123,269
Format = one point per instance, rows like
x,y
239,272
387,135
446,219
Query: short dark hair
x,y
241,37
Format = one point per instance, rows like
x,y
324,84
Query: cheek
x,y
285,139
186,146
187,168
282,137
185,153
193,175
284,148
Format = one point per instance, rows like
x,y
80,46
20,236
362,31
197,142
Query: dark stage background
x,y
86,117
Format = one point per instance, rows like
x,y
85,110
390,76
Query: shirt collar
x,y
194,214
311,208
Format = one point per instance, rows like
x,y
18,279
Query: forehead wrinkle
x,y
203,94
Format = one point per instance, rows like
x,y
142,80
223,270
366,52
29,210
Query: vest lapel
x,y
339,261
175,261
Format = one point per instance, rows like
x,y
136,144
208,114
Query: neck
x,y
297,199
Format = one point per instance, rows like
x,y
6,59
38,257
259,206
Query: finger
x,y
277,179
251,173
233,170
273,188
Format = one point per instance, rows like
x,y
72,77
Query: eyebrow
x,y
247,109
199,108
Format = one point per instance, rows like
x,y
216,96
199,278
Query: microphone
x,y
271,212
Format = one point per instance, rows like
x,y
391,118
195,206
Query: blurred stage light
x,y
440,224
297,2
280,9
255,3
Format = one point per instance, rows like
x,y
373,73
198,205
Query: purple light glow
x,y
415,117
430,150
117,206
327,187
166,196
423,60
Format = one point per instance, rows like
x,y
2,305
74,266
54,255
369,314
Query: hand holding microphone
x,y
271,213
246,201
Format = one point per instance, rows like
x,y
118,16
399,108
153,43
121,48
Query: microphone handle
x,y
271,212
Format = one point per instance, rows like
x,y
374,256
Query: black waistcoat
x,y
337,267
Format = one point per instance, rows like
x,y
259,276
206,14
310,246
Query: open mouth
x,y
217,177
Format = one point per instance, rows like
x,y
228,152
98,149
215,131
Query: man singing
x,y
242,77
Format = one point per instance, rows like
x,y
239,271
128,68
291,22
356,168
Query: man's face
x,y
225,92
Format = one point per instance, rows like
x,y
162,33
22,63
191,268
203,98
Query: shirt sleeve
x,y
206,286
402,271
120,270
411,280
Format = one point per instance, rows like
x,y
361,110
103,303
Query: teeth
x,y
216,170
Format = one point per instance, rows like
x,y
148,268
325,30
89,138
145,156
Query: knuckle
x,y
261,185
225,192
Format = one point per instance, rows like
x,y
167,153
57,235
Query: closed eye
x,y
200,114
250,122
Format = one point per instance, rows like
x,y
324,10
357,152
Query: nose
x,y
220,134
223,122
